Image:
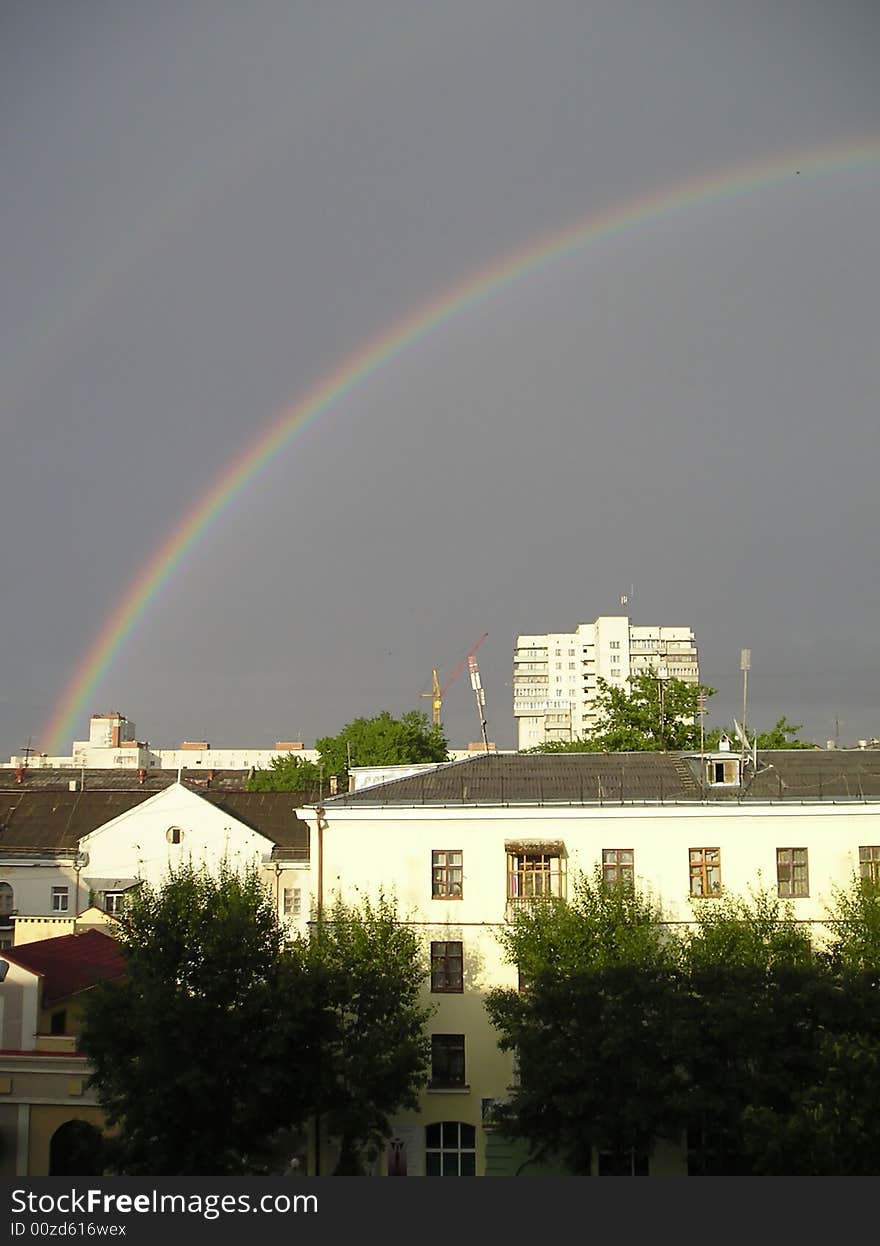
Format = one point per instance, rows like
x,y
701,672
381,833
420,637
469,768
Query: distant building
x,y
113,745
555,675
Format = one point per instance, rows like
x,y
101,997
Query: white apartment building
x,y
555,675
113,745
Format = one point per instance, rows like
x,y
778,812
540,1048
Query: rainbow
x,y
358,366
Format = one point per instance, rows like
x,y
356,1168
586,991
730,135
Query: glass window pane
x,y
432,1164
468,1164
432,1135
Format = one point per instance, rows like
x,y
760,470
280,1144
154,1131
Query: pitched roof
x,y
70,963
58,779
40,821
624,778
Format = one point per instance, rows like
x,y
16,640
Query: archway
x,y
76,1150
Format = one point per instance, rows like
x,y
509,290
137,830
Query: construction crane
x,y
437,692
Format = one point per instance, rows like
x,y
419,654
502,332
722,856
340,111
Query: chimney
x,y
19,774
142,774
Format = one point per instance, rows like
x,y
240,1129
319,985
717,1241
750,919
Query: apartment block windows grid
x,y
869,863
447,963
60,899
450,1149
792,873
618,866
447,1061
446,874
705,868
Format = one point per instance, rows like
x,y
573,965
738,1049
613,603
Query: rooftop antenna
x,y
27,752
745,662
626,599
480,697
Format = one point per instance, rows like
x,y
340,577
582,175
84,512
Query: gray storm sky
x,y
206,206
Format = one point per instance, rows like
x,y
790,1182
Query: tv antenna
x,y
28,752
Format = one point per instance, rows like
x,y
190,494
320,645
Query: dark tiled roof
x,y
39,778
56,821
70,963
615,778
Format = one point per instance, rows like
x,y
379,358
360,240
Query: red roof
x,y
70,963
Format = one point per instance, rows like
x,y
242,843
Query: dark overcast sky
x,y
205,206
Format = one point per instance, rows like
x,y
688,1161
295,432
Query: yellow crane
x,y
437,691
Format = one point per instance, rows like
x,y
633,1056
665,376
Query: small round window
x,y
174,834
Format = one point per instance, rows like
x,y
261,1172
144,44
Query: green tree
x,y
208,1046
382,740
287,773
783,735
652,714
595,1025
854,927
375,1054
745,959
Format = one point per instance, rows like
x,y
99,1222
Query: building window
x,y
869,863
292,901
446,967
617,866
446,874
792,873
626,1163
58,1022
447,1060
60,899
114,902
7,900
174,835
450,1149
705,871
532,873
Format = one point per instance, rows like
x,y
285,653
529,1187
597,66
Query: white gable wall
x,y
139,843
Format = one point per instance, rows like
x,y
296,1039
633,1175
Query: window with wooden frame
x,y
450,1149
792,873
869,863
535,871
292,901
60,899
447,872
447,1061
618,865
447,963
705,867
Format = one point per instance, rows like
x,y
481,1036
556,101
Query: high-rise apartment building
x,y
555,676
